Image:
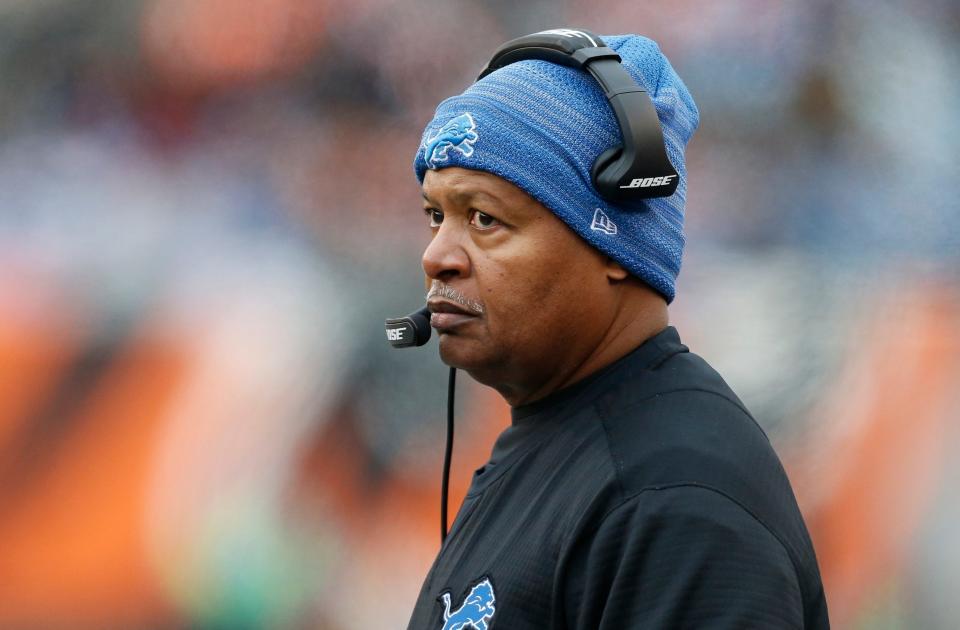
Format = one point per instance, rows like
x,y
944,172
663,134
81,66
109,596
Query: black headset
x,y
640,169
637,170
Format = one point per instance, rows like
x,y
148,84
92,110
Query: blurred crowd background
x,y
208,208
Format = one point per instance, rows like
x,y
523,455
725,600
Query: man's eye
x,y
483,220
436,217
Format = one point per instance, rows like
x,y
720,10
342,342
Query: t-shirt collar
x,y
647,355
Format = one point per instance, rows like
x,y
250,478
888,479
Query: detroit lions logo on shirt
x,y
458,134
475,612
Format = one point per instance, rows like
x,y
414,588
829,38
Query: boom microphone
x,y
412,330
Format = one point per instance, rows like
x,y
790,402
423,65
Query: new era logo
x,y
602,223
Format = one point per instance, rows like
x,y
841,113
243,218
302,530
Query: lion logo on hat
x,y
460,134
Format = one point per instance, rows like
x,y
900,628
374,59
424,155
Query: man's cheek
x,y
501,329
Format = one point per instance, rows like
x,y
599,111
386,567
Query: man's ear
x,y
615,271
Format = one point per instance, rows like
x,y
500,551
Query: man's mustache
x,y
440,289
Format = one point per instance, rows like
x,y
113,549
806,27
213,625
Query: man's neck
x,y
634,323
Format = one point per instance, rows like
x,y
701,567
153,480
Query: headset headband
x,y
640,169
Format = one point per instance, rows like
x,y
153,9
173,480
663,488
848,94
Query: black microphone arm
x,y
410,331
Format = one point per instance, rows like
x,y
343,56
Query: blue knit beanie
x,y
540,126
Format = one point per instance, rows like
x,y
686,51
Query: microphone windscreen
x,y
410,331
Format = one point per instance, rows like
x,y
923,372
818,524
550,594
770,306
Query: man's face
x,y
533,296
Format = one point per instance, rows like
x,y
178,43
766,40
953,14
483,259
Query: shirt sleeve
x,y
679,557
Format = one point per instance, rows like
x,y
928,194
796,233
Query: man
x,y
633,489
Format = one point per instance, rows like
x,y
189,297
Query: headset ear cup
x,y
605,159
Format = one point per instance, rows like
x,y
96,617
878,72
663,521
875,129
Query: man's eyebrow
x,y
464,196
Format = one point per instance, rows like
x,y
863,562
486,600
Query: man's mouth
x,y
446,315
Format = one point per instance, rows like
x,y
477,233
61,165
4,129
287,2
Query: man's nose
x,y
445,258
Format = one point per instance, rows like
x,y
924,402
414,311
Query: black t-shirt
x,y
644,496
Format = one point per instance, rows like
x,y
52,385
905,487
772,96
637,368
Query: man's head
x,y
536,295
519,230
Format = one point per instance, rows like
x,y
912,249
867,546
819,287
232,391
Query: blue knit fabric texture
x,y
541,126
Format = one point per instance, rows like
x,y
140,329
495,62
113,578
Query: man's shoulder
x,y
680,438
668,418
679,423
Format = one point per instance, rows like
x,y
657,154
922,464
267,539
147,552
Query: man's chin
x,y
474,358
462,353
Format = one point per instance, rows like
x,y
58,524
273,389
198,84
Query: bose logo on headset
x,y
394,334
647,182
